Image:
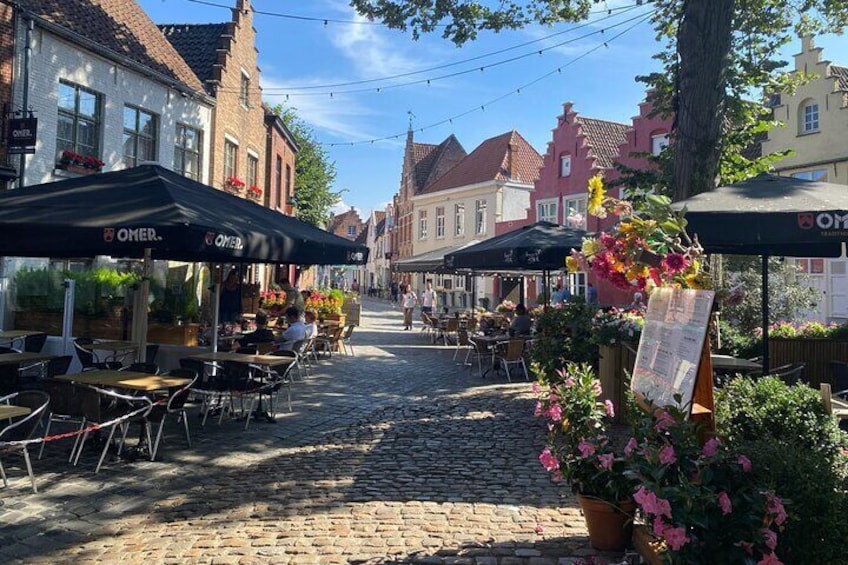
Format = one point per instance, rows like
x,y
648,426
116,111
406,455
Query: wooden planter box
x,y
614,361
51,324
352,311
816,353
187,334
650,548
339,318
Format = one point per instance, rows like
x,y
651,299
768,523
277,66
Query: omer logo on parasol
x,y
824,220
130,235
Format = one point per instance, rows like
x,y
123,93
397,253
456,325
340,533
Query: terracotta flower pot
x,y
610,526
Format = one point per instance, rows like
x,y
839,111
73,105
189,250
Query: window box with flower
x,y
254,193
79,164
234,185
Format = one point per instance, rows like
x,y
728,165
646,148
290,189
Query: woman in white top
x,y
311,326
408,303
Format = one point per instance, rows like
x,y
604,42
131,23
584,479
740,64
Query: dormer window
x,y
564,165
809,116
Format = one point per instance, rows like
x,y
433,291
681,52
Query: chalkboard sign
x,y
672,346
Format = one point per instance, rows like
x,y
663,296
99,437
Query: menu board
x,y
671,344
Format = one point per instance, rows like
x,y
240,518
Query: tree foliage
x,y
715,54
314,173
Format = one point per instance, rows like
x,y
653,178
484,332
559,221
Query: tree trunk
x,y
703,48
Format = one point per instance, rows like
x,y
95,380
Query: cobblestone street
x,y
395,455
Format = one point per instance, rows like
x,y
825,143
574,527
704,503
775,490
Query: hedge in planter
x,y
799,451
563,335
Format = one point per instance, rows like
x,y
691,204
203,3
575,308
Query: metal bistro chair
x,y
514,355
481,351
66,407
463,343
176,405
274,381
31,377
35,343
86,357
24,428
143,367
791,374
346,340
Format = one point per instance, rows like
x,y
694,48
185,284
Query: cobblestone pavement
x,y
396,455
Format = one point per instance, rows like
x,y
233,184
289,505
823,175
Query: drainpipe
x,y
25,97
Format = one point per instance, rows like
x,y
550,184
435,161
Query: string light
x,y
503,96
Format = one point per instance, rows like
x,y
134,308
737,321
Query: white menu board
x,y
671,344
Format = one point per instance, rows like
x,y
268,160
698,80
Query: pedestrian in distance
x,y
428,298
408,301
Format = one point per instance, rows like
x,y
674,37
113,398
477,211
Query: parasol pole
x,y
765,308
216,314
140,318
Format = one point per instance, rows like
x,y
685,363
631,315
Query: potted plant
x,y
254,193
234,185
580,451
506,307
701,500
81,164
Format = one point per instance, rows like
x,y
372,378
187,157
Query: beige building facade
x,y
815,119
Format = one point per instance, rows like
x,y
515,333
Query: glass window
x,y
252,171
187,149
818,174
575,212
577,284
459,220
811,117
140,132
278,178
440,221
79,121
289,192
658,143
422,224
351,230
546,211
230,159
480,217
244,91
564,165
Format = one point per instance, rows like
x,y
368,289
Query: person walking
x,y
394,290
408,301
428,298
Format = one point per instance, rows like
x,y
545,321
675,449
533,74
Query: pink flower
x,y
675,537
536,388
675,262
770,536
586,449
724,503
556,476
569,382
640,496
539,529
596,387
711,447
659,526
610,408
664,421
774,506
549,462
651,504
538,409
770,559
631,445
606,460
745,462
663,507
667,456
555,413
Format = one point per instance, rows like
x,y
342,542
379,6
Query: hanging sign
x,y
21,135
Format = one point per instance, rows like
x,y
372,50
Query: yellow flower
x,y
595,206
573,264
590,247
565,424
637,271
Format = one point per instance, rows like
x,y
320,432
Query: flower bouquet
x,y
506,307
701,501
617,325
234,185
254,193
580,451
325,302
69,159
272,301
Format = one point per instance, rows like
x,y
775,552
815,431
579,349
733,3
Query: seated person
x,y
521,322
261,335
295,332
311,325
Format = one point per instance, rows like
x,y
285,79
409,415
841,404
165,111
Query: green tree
x,y
314,173
715,53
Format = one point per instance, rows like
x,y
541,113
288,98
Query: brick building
x,y
281,151
7,53
224,57
347,224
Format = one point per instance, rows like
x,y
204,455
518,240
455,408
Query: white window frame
x,y
136,135
182,151
565,165
480,217
658,143
231,150
547,210
244,89
252,176
77,117
422,224
459,219
810,117
577,284
576,203
440,222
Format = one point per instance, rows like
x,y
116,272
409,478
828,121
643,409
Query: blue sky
x,y
297,53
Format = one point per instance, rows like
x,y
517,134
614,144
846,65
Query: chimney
x,y
511,156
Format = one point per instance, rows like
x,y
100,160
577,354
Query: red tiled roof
x,y
431,161
490,161
120,26
604,138
841,75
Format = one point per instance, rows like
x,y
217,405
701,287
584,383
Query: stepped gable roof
x,y
432,161
381,226
841,75
339,219
603,138
363,236
120,26
490,162
198,44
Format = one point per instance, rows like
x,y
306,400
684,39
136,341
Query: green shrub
x,y
799,451
563,334
738,343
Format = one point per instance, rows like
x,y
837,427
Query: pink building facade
x,y
580,148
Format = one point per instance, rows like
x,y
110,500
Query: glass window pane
x,y
192,166
88,104
191,139
817,266
146,149
130,118
67,97
65,130
146,124
129,145
87,135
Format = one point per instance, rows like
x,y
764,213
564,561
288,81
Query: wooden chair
x,y
513,354
828,400
346,340
463,343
